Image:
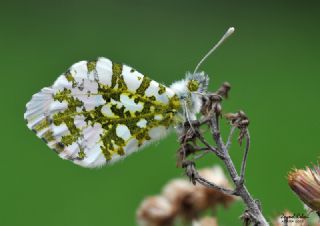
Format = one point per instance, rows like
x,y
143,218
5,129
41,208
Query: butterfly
x,y
99,112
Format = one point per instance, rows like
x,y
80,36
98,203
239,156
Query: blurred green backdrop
x,y
272,63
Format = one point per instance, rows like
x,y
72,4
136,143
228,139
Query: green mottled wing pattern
x,y
99,112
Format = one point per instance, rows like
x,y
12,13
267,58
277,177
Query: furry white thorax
x,y
191,100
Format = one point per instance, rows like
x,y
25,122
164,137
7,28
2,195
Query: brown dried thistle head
x,y
306,185
182,195
214,197
190,200
212,102
156,211
206,221
224,90
240,121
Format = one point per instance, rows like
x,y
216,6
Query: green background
x,y
272,63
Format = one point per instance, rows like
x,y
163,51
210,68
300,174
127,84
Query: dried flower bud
x,y
231,116
242,115
224,90
205,221
243,120
306,184
244,123
217,108
238,118
214,97
212,102
156,211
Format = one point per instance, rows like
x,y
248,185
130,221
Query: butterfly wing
x,y
99,112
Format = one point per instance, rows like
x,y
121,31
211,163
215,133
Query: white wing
x,y
99,112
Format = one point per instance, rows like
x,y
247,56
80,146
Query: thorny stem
x,y
211,111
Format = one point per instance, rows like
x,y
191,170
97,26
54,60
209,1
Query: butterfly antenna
x,y
224,37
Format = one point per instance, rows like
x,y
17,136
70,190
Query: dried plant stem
x,y
245,156
241,190
211,114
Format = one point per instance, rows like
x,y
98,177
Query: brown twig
x,y
211,113
245,156
194,176
232,130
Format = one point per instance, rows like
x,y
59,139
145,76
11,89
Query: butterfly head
x,y
190,91
197,82
194,84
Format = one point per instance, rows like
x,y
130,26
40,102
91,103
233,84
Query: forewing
x,y
99,112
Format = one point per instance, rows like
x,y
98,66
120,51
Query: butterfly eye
x,y
193,85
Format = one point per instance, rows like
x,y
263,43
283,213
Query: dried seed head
x,y
156,211
211,103
190,200
217,108
244,123
183,196
176,190
238,119
231,116
242,114
214,97
206,221
306,184
216,175
224,90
